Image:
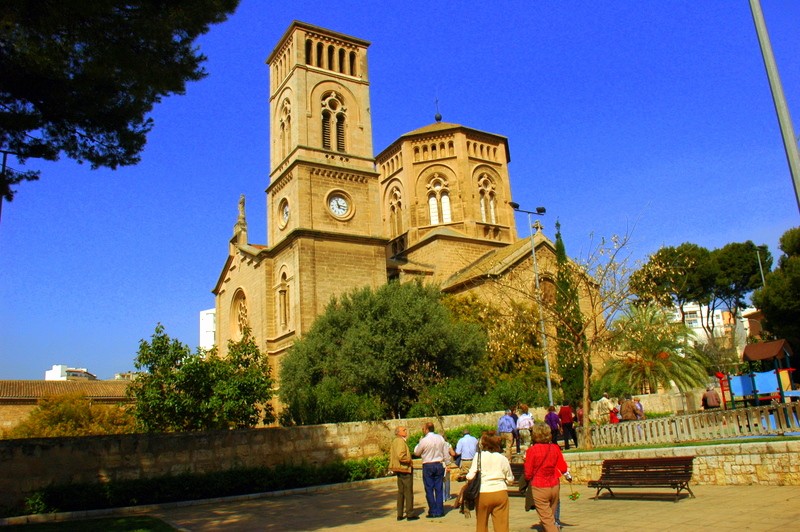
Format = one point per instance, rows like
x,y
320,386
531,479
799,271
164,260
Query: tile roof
x,y
38,389
496,262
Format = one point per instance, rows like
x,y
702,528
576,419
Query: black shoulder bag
x,y
473,488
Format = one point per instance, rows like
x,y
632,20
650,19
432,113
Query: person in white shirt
x,y
524,426
431,449
496,475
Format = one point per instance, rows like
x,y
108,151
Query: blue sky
x,y
654,117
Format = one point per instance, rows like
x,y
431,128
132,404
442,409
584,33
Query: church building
x,y
434,205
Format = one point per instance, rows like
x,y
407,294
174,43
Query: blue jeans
x,y
432,479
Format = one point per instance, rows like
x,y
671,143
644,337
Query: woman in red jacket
x,y
544,465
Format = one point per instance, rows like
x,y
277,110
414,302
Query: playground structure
x,y
765,387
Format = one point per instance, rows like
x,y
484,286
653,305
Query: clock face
x,y
338,205
283,213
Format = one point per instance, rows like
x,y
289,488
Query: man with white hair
x,y
400,462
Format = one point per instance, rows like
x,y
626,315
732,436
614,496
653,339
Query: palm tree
x,y
654,351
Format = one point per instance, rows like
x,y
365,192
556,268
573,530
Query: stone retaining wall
x,y
734,464
29,465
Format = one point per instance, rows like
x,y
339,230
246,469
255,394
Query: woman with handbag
x,y
544,465
492,470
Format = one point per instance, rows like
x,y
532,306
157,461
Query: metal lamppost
x,y
778,97
540,211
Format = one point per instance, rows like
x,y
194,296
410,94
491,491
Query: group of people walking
x,y
484,458
628,409
516,430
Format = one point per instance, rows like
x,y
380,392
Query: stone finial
x,y
240,229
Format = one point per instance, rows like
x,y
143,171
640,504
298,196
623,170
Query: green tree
x,y
372,352
779,298
570,332
73,414
80,78
738,273
181,391
655,352
676,276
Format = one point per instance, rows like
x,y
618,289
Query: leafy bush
x,y
460,395
451,435
194,486
508,393
72,414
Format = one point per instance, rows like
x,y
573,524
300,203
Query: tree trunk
x,y
586,442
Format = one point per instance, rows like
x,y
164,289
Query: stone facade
x,y
432,205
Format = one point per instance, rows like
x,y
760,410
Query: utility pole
x,y
778,98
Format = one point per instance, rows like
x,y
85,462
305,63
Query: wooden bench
x,y
670,472
518,470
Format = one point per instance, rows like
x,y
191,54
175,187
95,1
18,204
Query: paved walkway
x,y
371,507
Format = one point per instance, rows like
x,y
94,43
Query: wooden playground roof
x,y
766,350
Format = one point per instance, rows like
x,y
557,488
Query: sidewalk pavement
x,y
370,506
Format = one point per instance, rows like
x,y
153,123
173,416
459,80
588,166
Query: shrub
x,y
194,486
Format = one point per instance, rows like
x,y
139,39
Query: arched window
x,y
320,51
340,132
433,207
342,62
283,141
331,52
439,200
285,129
334,117
352,63
445,200
309,51
396,212
288,138
238,319
488,201
326,130
283,302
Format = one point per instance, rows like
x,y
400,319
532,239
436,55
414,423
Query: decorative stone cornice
x,y
338,174
280,183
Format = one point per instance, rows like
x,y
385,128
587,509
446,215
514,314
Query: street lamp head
x,y
539,210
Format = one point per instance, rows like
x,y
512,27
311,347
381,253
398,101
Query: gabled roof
x,y
497,262
439,232
250,250
766,350
19,389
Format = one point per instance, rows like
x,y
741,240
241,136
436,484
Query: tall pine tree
x,y
570,339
